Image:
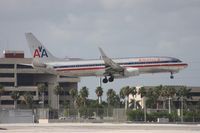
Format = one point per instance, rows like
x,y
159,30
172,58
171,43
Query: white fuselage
x,y
97,67
107,67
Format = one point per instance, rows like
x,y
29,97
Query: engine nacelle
x,y
131,72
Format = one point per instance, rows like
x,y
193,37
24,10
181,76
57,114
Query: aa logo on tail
x,y
40,52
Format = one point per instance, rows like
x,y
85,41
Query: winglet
x,y
103,55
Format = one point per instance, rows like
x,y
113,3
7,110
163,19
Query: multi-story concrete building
x,y
15,76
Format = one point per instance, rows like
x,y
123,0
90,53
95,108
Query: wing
x,y
111,66
46,69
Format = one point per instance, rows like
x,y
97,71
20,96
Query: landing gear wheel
x,y
105,80
172,76
111,79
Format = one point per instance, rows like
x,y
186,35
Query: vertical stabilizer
x,y
38,51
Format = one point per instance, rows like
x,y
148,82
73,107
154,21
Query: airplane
x,y
105,67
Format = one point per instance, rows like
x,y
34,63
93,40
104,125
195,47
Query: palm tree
x,y
183,93
78,101
2,90
73,93
99,93
151,102
15,95
121,93
163,95
133,92
58,90
124,94
169,93
110,96
157,94
41,89
116,102
84,94
142,91
28,99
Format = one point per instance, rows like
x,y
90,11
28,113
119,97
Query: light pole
x,y
145,110
181,108
169,105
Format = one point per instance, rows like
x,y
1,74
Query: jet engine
x,y
131,72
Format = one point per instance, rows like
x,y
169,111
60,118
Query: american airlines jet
x,y
105,67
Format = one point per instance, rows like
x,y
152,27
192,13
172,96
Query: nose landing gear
x,y
171,76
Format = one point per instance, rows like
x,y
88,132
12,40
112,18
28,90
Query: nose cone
x,y
184,65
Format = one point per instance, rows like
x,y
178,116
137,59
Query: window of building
x,y
7,102
24,66
31,92
6,75
65,92
64,84
195,93
25,79
7,93
6,66
7,83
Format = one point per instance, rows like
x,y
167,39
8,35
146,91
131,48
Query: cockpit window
x,y
176,60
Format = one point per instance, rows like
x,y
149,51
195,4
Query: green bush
x,y
153,116
191,116
138,115
135,115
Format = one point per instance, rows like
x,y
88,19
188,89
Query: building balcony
x,y
5,79
7,70
21,88
29,71
21,98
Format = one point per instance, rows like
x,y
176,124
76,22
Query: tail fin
x,y
38,51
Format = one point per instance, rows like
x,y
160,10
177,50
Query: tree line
x,y
153,96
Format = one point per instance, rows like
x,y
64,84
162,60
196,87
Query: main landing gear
x,y
171,76
110,79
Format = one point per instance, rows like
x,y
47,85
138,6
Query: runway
x,y
98,128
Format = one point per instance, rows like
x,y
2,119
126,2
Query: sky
x,y
123,28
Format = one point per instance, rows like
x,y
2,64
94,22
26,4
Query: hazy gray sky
x,y
123,28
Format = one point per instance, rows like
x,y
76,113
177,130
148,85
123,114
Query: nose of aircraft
x,y
185,65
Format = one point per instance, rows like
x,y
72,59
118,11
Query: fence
x,y
120,115
96,115
16,116
89,114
